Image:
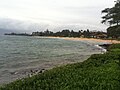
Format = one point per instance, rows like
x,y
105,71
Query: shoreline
x,y
82,39
78,72
37,70
106,67
103,44
101,48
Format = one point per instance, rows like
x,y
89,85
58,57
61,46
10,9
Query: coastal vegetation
x,y
65,33
114,32
99,72
71,33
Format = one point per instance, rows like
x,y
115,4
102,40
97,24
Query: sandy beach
x,y
89,39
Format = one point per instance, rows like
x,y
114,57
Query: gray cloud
x,y
38,15
22,26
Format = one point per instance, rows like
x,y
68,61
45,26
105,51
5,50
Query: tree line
x,y
71,33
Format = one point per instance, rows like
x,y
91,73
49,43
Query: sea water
x,y
20,54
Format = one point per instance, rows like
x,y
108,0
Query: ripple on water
x,y
19,54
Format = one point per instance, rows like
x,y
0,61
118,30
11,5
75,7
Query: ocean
x,y
21,54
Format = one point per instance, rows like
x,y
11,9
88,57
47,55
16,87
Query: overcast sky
x,y
52,14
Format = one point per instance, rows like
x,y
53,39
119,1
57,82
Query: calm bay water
x,y
18,55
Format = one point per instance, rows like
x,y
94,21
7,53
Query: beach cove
x,y
19,55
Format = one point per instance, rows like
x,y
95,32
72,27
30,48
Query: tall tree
x,y
112,15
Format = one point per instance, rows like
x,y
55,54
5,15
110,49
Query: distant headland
x,y
18,34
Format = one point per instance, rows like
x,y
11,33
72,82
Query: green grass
x,y
114,46
99,72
